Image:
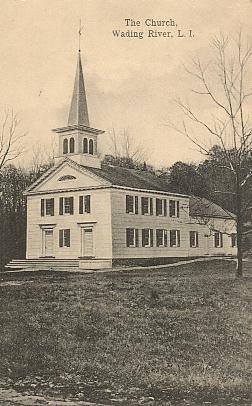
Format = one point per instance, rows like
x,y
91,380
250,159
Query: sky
x,y
131,83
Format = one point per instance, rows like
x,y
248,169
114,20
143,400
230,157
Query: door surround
x,y
83,228
45,228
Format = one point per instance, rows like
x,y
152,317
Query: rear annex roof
x,y
200,206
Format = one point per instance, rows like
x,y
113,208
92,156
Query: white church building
x,y
85,215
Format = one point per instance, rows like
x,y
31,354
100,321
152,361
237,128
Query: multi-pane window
x,y
84,204
194,239
233,240
147,237
132,237
147,205
218,239
66,205
131,204
174,208
64,238
47,207
161,207
175,238
161,238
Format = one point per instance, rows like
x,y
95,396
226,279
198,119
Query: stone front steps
x,y
43,264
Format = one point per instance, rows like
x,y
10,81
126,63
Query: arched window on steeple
x,y
65,146
85,145
71,146
91,147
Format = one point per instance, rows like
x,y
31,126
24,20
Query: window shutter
x,y
151,206
80,204
61,200
142,205
151,237
71,205
52,207
136,205
171,208
127,236
137,237
144,237
178,208
67,238
42,207
87,204
61,238
165,207
197,239
221,239
127,203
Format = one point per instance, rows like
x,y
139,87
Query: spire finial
x,y
80,32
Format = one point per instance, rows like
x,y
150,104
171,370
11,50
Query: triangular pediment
x,y
67,175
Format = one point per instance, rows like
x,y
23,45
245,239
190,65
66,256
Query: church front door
x,y
48,243
87,242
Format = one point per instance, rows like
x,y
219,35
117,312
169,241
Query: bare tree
x,y
224,82
124,145
11,146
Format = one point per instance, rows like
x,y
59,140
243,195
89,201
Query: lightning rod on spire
x,y
80,32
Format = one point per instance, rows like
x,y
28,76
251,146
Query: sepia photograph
x,y
126,203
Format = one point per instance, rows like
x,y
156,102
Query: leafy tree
x,y
185,178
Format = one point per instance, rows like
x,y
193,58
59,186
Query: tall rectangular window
x,y
132,237
84,204
161,238
218,239
174,208
66,205
47,207
147,237
175,238
147,205
131,204
161,207
194,239
64,238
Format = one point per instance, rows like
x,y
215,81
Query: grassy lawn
x,y
176,336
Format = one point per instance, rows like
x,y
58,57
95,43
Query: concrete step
x,y
42,263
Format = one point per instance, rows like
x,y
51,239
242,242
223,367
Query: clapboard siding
x,y
226,226
122,220
100,216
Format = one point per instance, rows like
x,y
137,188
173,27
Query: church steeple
x,y
78,114
78,141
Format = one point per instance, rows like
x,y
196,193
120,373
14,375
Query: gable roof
x,y
199,206
141,180
133,178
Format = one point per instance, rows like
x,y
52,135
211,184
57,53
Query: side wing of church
x,y
84,215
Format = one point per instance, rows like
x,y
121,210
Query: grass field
x,y
176,336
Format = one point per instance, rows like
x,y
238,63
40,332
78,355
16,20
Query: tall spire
x,y
78,114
